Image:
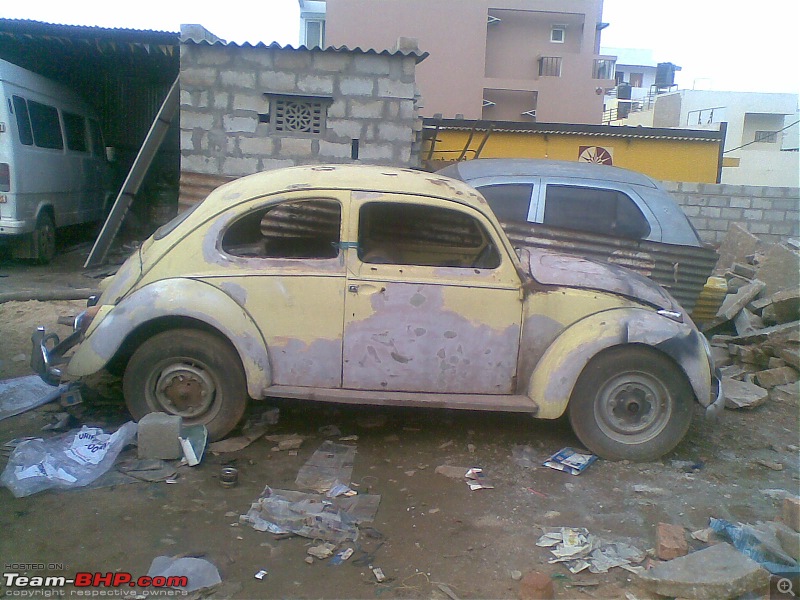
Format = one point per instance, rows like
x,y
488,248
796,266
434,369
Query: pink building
x,y
510,60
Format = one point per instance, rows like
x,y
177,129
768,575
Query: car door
x,y
433,302
284,265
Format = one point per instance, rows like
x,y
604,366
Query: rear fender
x,y
556,374
176,298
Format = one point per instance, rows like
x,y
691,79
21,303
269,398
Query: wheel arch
x,y
162,306
553,379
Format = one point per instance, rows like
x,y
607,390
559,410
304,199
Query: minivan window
x,y
96,134
23,121
595,210
509,201
75,130
46,129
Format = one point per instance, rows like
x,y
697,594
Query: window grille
x,y
298,115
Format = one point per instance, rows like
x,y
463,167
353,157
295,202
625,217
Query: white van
x,y
53,167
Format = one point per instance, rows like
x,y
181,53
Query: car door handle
x,y
352,288
368,289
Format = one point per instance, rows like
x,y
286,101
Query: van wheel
x,y
631,404
44,239
190,373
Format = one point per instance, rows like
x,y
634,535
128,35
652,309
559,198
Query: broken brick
x,y
670,541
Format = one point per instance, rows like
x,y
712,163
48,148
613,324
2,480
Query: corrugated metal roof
x,y
420,56
41,28
659,133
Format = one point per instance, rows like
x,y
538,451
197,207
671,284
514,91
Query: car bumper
x,y
716,407
47,353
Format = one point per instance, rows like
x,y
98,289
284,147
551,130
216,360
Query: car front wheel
x,y
190,373
631,403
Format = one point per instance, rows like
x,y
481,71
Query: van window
x,y
96,134
23,121
46,129
75,130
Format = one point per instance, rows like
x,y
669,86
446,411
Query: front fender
x,y
556,374
176,298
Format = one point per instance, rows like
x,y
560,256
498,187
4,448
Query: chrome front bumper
x,y
47,354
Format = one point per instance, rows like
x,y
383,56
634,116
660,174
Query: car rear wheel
x,y
631,404
190,373
44,239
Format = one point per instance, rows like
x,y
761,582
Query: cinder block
x,y
158,436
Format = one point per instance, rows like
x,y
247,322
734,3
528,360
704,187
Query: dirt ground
x,y
434,529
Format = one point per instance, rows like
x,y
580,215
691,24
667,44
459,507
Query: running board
x,y
492,402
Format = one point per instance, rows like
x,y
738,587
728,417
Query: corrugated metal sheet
x,y
681,270
196,186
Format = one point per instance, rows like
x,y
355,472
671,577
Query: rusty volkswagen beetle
x,y
384,286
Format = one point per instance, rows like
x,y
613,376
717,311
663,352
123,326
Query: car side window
x,y
23,121
594,210
75,130
415,234
297,229
509,201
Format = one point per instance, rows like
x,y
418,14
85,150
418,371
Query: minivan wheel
x,y
631,404
44,239
190,373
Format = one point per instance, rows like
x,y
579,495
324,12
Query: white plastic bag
x,y
70,460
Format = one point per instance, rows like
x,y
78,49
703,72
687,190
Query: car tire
x,y
191,373
44,239
631,403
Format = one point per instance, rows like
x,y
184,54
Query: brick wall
x,y
227,91
771,213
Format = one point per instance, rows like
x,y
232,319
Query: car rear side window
x,y
415,234
509,201
595,210
299,229
23,121
46,129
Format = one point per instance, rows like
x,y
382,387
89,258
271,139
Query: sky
x,y
724,45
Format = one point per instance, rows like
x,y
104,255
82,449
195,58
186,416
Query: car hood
x,y
551,268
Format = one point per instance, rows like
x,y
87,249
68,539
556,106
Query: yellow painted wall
x,y
671,160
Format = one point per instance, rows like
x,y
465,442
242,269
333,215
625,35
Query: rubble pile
x,y
755,335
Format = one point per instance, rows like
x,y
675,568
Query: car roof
x,y
470,170
345,177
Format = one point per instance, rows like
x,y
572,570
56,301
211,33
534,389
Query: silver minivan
x,y
53,167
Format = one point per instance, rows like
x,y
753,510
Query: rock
x,y
786,305
451,471
736,302
785,393
743,270
779,269
790,355
735,247
776,363
789,540
536,586
746,322
721,357
777,334
670,541
719,571
774,377
791,512
741,394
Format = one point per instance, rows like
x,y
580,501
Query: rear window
x,y
23,121
44,122
608,212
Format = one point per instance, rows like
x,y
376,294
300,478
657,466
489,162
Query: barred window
x,y
550,66
298,114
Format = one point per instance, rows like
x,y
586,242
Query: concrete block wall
x,y
771,213
371,97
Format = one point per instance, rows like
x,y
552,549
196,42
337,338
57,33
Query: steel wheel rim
x,y
633,407
184,387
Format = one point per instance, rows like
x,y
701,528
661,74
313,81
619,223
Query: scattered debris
x,y
342,556
235,444
286,441
22,394
69,460
536,586
379,576
791,512
228,477
322,551
147,469
775,466
741,394
670,541
451,471
719,571
330,464
758,543
200,573
580,550
261,574
477,480
445,589
193,441
570,461
330,431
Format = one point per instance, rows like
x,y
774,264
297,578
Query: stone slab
x,y
734,303
779,269
741,394
791,512
719,571
670,541
775,377
735,247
